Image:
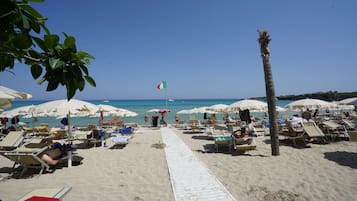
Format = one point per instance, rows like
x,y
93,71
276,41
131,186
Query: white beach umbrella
x,y
309,103
74,107
112,110
196,111
217,107
344,107
153,110
349,101
8,95
27,110
252,105
183,112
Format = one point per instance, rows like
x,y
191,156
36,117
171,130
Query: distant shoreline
x,y
326,96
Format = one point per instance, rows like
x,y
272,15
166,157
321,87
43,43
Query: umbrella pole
x,y
69,124
33,132
69,153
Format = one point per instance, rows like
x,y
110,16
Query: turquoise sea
x,y
140,107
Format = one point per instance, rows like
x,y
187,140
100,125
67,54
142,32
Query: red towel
x,y
40,198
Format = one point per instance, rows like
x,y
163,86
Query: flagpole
x,y
166,98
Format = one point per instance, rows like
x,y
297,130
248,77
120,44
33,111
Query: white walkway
x,y
190,179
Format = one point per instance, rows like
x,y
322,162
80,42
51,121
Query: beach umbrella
x,y
217,108
107,110
64,108
250,104
153,110
344,107
7,96
22,111
310,103
196,111
279,109
348,101
74,107
163,112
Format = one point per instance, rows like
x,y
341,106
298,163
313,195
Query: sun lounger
x,y
335,130
58,193
313,131
12,140
348,124
242,147
295,134
29,155
223,141
351,129
88,137
28,158
117,141
218,130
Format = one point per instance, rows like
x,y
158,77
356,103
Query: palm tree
x,y
264,40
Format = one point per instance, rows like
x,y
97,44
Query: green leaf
x,y
86,61
70,42
90,80
36,71
22,41
25,22
31,11
6,13
6,61
76,72
52,85
51,41
84,54
84,68
47,31
80,84
55,63
71,90
36,27
40,43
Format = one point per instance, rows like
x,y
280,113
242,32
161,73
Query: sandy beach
x,y
139,171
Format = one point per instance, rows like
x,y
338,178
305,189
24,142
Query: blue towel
x,y
128,130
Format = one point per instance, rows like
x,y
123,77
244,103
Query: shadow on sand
x,y
343,158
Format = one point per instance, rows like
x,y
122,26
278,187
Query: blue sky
x,y
203,48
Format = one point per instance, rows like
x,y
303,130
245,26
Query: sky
x,y
202,48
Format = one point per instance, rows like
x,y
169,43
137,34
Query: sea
x,y
141,107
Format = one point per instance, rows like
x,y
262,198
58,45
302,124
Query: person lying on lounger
x,y
55,154
242,137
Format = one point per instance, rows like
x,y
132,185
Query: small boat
x,y
106,101
171,100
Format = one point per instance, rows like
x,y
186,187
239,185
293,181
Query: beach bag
x,y
64,121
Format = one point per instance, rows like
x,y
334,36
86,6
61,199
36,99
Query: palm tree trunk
x,y
264,40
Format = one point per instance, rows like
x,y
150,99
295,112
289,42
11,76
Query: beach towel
x,y
41,198
127,130
120,140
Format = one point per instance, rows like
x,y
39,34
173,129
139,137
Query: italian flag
x,y
161,85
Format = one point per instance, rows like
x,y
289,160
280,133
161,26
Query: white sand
x,y
139,172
